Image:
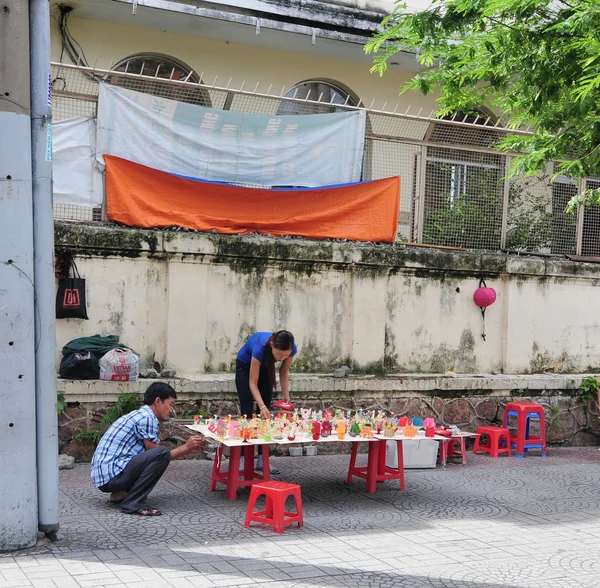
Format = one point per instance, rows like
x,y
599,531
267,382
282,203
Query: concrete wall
x,y
189,300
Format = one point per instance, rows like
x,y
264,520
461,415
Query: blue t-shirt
x,y
256,347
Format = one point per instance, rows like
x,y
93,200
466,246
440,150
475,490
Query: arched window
x,y
327,93
161,67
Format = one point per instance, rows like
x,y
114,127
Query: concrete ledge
x,y
222,386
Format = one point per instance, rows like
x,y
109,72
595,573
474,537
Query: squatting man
x,y
129,461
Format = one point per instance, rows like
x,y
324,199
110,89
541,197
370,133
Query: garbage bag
x,y
81,365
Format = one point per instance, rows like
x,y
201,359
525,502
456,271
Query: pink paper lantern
x,y
484,297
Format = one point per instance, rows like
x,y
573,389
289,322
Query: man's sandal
x,y
148,512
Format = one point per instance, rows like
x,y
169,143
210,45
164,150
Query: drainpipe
x,y
43,263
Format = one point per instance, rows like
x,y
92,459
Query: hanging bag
x,y
70,298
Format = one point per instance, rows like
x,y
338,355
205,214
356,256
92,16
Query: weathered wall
x,y
188,300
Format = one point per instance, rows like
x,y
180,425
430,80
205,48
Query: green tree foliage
x,y
535,62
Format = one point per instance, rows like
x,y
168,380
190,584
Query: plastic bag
x,y
119,365
80,366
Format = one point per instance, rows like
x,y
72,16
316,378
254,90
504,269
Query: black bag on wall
x,y
70,298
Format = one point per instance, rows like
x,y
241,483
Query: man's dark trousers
x,y
139,478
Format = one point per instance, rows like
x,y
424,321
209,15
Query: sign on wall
x,y
234,147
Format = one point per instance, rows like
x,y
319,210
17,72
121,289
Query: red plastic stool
x,y
494,439
274,513
525,411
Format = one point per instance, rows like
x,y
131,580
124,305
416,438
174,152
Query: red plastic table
x,y
445,443
376,470
231,475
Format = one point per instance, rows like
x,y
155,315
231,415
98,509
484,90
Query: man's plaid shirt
x,y
123,440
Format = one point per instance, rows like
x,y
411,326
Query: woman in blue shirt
x,y
255,370
255,374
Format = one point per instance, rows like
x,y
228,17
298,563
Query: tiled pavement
x,y
533,522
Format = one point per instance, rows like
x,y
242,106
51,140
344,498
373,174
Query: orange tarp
x,y
140,196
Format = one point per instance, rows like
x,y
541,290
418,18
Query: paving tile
x,y
491,523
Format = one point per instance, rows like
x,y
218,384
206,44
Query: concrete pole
x,y
18,480
43,250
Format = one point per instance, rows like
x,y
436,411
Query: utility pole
x,y
43,264
18,477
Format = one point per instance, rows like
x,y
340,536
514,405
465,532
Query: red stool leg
x,y
254,494
494,440
278,512
298,498
507,437
521,428
476,445
543,431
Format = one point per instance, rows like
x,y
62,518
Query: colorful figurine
x,y
316,430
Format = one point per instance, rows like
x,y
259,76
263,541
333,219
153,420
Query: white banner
x,y
75,174
235,147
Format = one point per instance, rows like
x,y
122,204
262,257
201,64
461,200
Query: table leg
x,y
249,462
266,468
233,473
444,451
400,462
373,465
352,465
463,450
381,445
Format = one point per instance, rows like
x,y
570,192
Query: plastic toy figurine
x,y
316,430
341,429
388,428
292,432
366,433
233,429
410,431
221,429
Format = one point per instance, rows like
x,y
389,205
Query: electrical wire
x,y
11,263
68,41
71,44
25,108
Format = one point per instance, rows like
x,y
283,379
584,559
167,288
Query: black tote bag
x,y
70,298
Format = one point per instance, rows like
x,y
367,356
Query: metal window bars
x,y
454,189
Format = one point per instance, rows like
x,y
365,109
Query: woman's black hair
x,y
282,340
160,390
